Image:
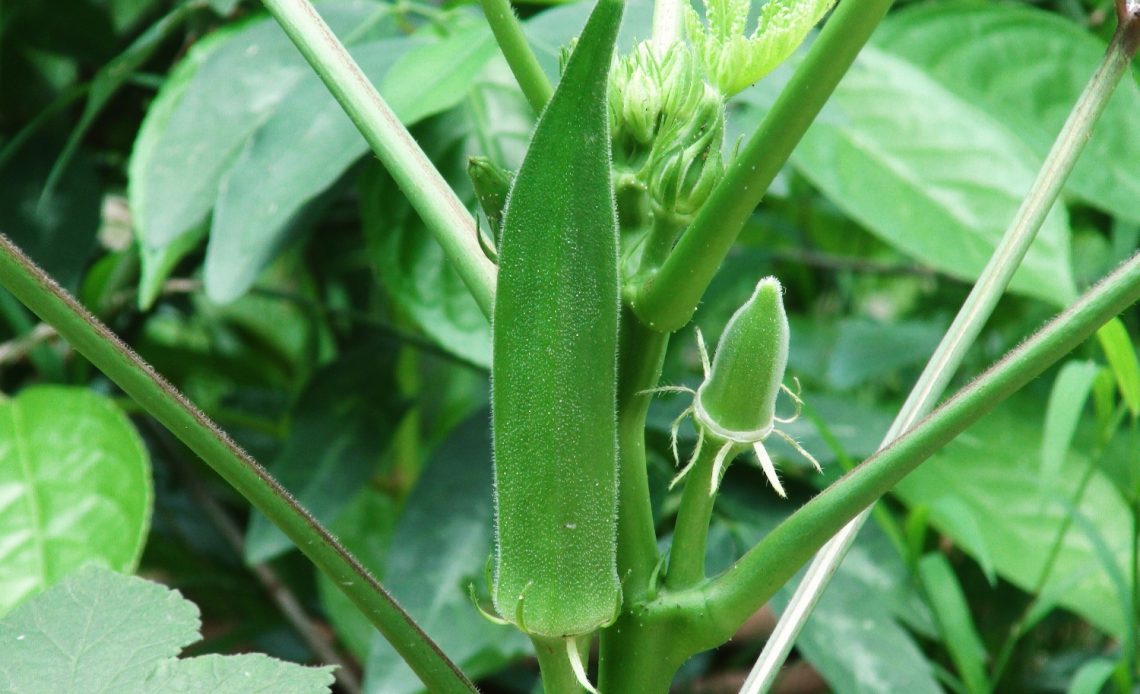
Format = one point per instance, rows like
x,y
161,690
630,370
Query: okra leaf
x,y
99,631
226,87
76,488
926,171
440,546
304,149
1026,67
341,427
854,639
554,345
952,612
996,475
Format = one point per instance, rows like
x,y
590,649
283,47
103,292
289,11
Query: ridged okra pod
x,y
555,361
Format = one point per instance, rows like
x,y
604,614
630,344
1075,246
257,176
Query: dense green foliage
x,y
179,167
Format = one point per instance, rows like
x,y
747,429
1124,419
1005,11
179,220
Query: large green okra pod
x,y
555,366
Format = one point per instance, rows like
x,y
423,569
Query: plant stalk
x,y
427,191
976,310
28,283
521,59
687,554
716,608
667,300
554,663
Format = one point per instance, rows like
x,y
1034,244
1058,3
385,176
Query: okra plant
x,y
608,161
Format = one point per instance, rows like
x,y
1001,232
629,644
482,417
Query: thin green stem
x,y
554,662
92,339
666,301
427,191
642,355
975,311
715,609
687,554
666,24
521,59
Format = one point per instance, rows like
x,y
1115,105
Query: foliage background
x,y
180,168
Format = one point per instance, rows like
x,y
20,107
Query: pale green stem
x,y
521,59
976,310
690,534
554,663
431,196
28,283
708,614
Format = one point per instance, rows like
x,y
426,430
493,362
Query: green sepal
x,y
492,185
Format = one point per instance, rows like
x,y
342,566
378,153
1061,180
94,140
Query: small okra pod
x,y
554,371
492,185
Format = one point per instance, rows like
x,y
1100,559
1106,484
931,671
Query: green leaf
x,y
58,231
410,264
302,150
1045,62
226,87
927,172
364,527
955,623
867,350
440,546
991,469
854,639
341,427
956,514
100,631
76,488
1121,355
1066,402
1092,676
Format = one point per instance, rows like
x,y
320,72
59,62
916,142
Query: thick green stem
x,y
521,59
427,191
715,609
554,662
975,311
667,300
687,554
89,337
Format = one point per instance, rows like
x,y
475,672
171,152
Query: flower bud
x,y
739,394
686,161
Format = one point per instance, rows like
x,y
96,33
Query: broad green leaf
x,y
246,673
226,87
952,612
867,350
74,488
1121,355
1026,67
303,149
956,514
1066,402
110,77
853,639
340,430
1092,676
927,172
993,469
100,631
364,527
57,231
440,546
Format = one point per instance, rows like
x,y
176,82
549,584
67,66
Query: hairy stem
x,y
667,299
28,283
687,554
427,191
715,609
554,662
976,310
521,59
